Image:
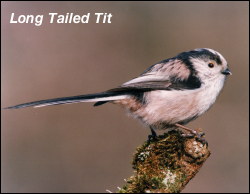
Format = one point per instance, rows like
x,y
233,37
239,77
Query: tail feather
x,y
98,97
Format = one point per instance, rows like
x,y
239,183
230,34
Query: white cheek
x,y
206,73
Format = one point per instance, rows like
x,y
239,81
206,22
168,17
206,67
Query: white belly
x,y
177,105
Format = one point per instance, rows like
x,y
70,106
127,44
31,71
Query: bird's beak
x,y
226,72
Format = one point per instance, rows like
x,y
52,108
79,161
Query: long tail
x,y
100,98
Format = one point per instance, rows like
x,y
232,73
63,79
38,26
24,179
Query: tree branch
x,y
166,164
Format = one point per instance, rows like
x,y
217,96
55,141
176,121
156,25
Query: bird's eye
x,y
211,65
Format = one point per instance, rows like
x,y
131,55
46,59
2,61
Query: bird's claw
x,y
199,136
153,135
152,138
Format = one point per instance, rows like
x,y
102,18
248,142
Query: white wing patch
x,y
146,78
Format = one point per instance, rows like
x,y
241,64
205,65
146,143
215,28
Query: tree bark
x,y
166,164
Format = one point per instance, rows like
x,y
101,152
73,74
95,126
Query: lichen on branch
x,y
166,164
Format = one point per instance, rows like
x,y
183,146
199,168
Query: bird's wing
x,y
148,82
166,75
169,74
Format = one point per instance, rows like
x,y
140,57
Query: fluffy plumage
x,y
175,90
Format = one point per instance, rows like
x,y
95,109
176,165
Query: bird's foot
x,y
153,135
198,134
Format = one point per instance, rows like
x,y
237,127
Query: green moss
x,y
153,158
159,166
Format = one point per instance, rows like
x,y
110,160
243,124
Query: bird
x,y
170,93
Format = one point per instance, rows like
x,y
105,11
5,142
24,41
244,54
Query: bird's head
x,y
207,64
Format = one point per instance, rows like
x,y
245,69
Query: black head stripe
x,y
208,54
202,54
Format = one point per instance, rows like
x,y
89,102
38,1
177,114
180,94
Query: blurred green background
x,y
79,148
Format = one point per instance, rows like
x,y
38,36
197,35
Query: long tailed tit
x,y
170,93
